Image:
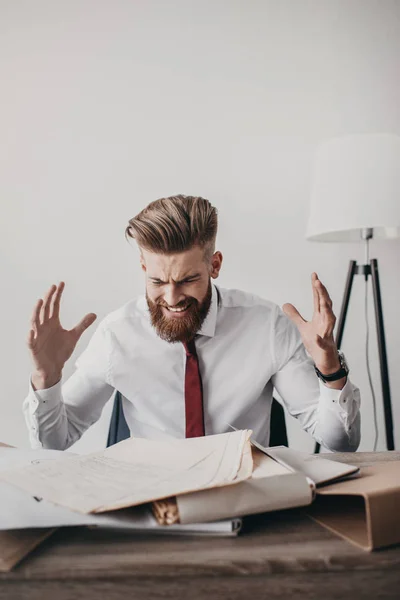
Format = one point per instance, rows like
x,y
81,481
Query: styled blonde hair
x,y
175,224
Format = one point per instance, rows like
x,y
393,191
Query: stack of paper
x,y
199,480
137,471
27,510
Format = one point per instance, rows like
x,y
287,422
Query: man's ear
x,y
142,263
216,263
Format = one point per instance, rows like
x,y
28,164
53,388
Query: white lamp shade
x,y
356,185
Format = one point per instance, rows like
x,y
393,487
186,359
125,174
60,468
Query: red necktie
x,y
193,393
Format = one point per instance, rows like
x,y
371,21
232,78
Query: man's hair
x,y
175,224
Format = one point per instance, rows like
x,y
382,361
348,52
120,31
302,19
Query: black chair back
x,y
119,429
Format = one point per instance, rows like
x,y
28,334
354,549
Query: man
x,y
190,358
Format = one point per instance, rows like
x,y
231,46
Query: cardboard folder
x,y
363,510
16,544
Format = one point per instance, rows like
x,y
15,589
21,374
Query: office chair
x,y
119,429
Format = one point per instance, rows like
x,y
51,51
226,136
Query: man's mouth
x,y
177,310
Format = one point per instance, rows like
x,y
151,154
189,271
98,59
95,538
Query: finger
x,y
45,312
326,311
84,324
31,339
293,314
325,301
35,319
55,310
314,279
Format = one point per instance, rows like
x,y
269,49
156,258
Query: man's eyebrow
x,y
193,276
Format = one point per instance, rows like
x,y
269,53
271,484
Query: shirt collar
x,y
210,322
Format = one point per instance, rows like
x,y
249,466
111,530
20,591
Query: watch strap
x,y
342,372
339,374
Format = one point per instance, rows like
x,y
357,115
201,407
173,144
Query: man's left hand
x,y
317,334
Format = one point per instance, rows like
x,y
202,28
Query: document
x,y
21,511
137,471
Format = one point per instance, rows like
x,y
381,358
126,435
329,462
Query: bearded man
x,y
190,358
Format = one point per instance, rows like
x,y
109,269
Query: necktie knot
x,y
190,348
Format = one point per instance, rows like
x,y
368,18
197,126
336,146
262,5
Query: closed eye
x,y
189,280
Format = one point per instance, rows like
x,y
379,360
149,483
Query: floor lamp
x,y
355,198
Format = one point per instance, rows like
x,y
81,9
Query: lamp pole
x,y
370,268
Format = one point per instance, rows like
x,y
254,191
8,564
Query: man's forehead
x,y
181,265
184,260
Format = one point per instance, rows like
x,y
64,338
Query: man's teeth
x,y
177,309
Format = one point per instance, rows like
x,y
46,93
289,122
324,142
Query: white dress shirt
x,y
246,348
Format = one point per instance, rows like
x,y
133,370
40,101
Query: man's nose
x,y
172,296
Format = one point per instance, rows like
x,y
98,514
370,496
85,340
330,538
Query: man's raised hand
x,y
317,334
51,345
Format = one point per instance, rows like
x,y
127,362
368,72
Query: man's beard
x,y
180,329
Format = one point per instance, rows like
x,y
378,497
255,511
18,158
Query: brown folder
x,y
16,544
364,509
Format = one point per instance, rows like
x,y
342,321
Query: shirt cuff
x,y
342,398
47,398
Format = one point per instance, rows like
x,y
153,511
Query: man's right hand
x,y
50,344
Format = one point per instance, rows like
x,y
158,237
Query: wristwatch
x,y
342,372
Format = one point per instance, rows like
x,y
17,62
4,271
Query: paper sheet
x,y
137,471
19,510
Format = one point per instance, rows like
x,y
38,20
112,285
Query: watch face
x,y
343,361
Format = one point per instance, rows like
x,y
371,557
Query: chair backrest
x,y
278,432
119,429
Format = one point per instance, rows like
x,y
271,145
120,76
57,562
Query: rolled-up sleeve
x,y
57,417
331,416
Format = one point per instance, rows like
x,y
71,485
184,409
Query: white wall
x,y
107,105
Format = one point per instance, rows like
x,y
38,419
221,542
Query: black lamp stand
x,y
370,269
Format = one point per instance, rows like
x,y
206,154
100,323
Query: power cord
x,y
367,352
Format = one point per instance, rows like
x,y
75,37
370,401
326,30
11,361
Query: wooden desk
x,y
281,555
